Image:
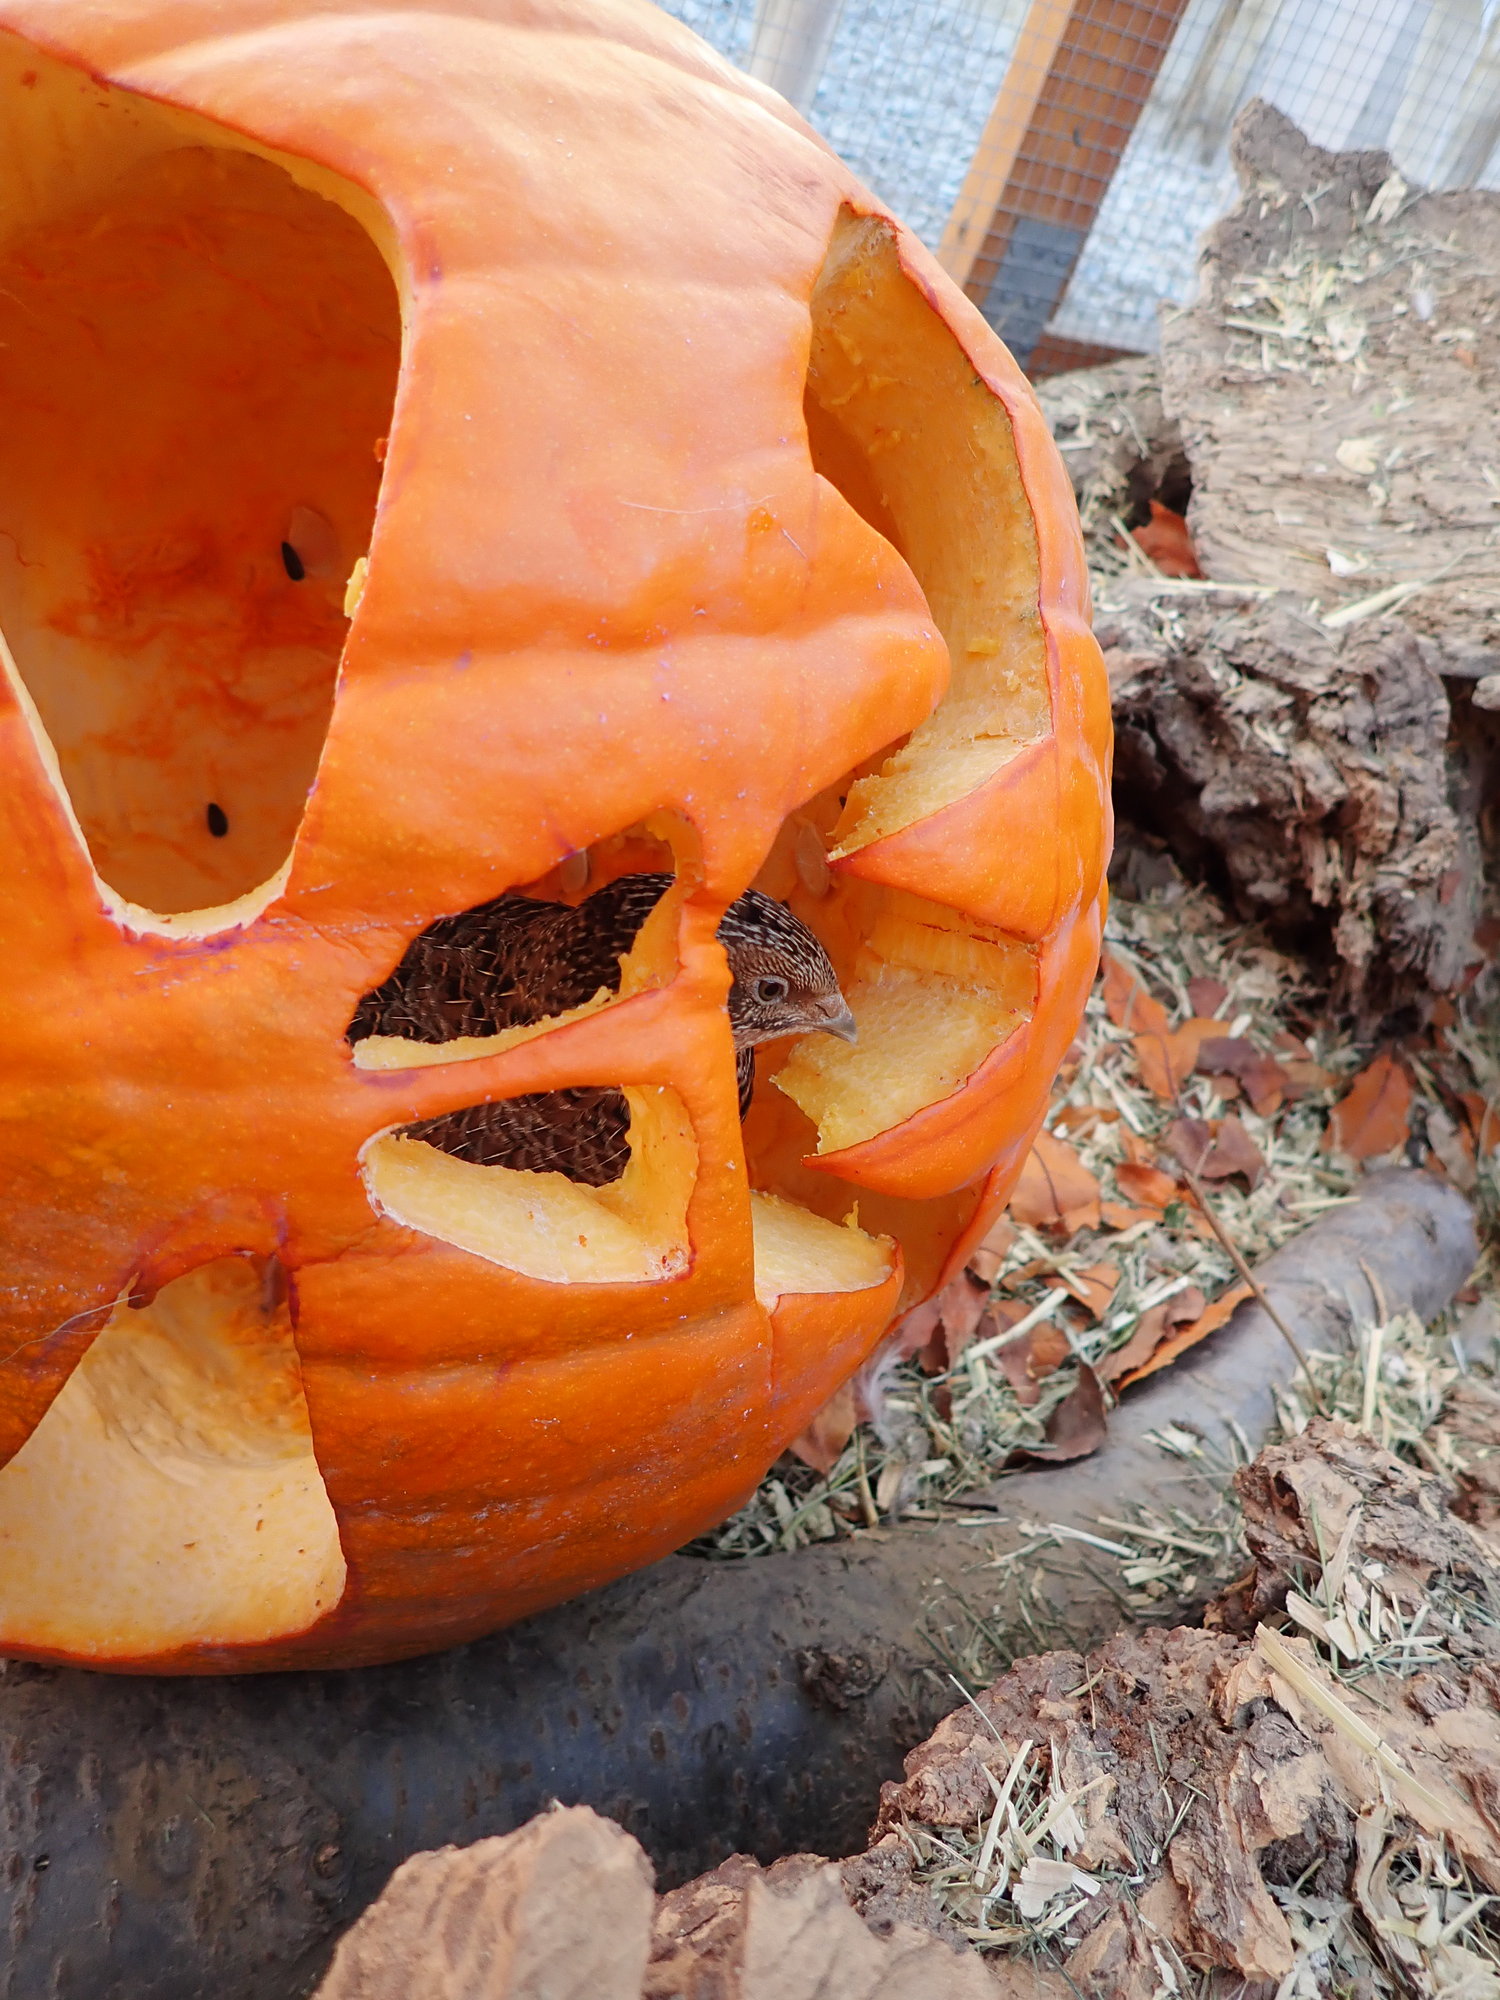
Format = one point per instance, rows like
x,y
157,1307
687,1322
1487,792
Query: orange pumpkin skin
x,y
607,586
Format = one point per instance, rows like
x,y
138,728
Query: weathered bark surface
x,y
1309,738
789,1933
1316,773
563,1910
1337,387
1240,1804
1117,441
560,1910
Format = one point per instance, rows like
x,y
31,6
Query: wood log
x,y
1314,736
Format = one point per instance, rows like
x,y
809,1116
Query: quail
x,y
513,961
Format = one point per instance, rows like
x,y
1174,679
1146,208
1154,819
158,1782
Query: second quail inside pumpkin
x,y
513,961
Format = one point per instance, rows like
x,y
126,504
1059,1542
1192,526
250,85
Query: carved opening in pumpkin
x,y
546,1224
198,360
171,1494
898,421
933,991
924,451
633,1229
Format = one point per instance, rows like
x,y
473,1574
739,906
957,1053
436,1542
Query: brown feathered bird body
x,y
514,961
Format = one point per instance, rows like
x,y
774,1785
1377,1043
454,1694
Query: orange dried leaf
x,y
1027,1362
1166,1061
1166,539
1483,1119
1076,1426
1206,1323
1154,1326
1056,1190
1374,1116
1305,1077
830,1430
1120,1215
1127,1002
1083,1118
1262,1077
987,1256
1093,1287
1147,1186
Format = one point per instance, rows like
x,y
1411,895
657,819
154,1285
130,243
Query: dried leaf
x,y
1234,1152
1215,1151
1166,540
1093,1287
1263,1078
1189,1140
1120,1215
1207,996
987,1256
1304,1078
1056,1190
1123,1217
1207,1322
1483,1119
941,1327
1166,1061
1127,1002
1156,1324
830,1430
1146,1185
1081,1118
1026,1363
1374,1117
1076,1426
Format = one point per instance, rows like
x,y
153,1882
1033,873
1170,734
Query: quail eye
x,y
770,991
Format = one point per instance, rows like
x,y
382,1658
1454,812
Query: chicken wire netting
x,y
1063,157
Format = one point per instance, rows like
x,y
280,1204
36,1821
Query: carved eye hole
x,y
771,991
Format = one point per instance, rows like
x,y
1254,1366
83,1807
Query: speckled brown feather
x,y
513,961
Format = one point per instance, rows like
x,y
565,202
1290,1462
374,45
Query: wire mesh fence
x,y
1063,157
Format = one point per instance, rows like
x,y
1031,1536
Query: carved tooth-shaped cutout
x,y
918,444
170,1494
933,993
545,1225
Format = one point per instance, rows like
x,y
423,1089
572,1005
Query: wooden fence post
x,y
1070,99
790,46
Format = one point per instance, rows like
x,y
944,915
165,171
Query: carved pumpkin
x,y
443,453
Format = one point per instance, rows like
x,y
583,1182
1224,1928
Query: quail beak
x,y
838,1020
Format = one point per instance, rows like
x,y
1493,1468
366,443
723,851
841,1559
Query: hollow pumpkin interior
x,y
923,449
198,361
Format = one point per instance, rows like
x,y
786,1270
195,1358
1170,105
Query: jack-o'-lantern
x,y
445,454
